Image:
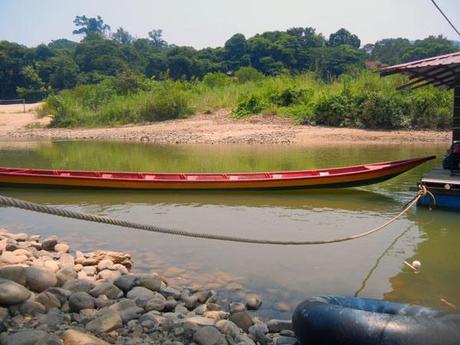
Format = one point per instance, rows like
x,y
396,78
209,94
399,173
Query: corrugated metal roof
x,y
441,71
441,60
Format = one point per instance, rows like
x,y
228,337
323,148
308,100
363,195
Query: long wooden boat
x,y
323,178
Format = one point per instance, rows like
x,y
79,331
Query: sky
x,y
209,23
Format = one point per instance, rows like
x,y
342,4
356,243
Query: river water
x,y
283,276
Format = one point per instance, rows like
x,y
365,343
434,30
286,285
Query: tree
x,y
342,37
62,43
90,27
122,36
390,51
156,37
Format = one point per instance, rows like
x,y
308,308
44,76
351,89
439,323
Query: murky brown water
x,y
374,265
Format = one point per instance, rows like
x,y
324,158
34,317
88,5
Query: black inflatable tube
x,y
337,320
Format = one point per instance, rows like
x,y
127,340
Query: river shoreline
x,y
52,295
216,128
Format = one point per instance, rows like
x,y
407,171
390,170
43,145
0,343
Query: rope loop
x,y
29,206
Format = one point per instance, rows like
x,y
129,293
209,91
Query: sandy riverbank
x,y
216,128
50,294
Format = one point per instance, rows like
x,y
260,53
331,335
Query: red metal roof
x,y
441,70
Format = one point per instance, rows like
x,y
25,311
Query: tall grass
x,y
363,100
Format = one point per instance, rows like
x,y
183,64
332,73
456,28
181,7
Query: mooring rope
x,y
30,206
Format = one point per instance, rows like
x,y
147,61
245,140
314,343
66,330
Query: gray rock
x,y
61,294
122,305
32,308
81,300
12,293
242,319
228,328
108,289
14,273
131,314
38,279
253,302
79,285
48,300
74,337
200,309
52,319
150,281
216,314
157,302
50,339
169,291
243,339
49,243
258,332
140,295
276,326
3,314
282,340
209,335
65,274
107,322
126,282
21,237
25,337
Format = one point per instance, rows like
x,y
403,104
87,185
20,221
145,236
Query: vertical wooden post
x,y
456,127
24,104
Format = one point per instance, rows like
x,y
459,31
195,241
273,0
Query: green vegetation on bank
x,y
360,99
36,72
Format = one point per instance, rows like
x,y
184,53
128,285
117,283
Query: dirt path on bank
x,y
216,128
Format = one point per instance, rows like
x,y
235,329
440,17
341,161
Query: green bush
x,y
249,105
247,74
216,79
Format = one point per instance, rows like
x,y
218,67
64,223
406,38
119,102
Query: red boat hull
x,y
323,178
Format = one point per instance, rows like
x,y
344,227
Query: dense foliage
x,y
362,100
33,73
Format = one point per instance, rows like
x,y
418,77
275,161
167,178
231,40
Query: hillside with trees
x,y
34,73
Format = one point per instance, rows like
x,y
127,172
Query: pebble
x,y
107,322
81,300
51,265
150,281
140,295
14,273
62,247
228,328
242,319
126,282
49,243
209,336
276,326
253,302
75,337
282,340
32,308
50,339
48,300
10,259
105,264
65,274
12,293
39,279
79,285
157,302
107,289
24,337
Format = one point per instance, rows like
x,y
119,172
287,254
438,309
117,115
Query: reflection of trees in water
x,y
439,277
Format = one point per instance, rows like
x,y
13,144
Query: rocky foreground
x,y
49,296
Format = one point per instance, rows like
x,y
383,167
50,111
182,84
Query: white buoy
x,y
416,264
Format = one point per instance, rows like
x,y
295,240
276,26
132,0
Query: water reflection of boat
x,y
353,176
354,200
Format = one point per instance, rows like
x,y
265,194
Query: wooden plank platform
x,y
440,175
